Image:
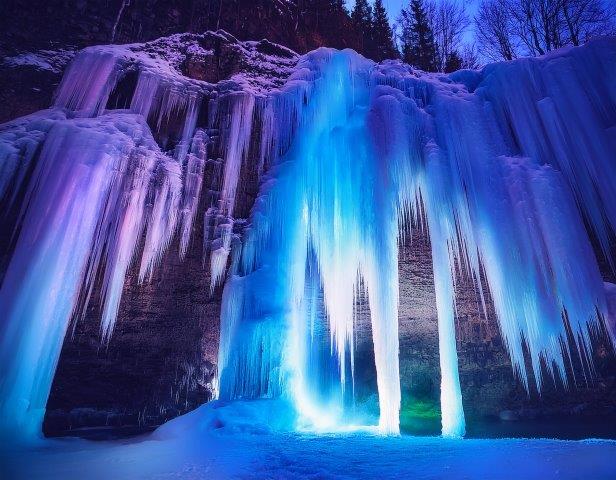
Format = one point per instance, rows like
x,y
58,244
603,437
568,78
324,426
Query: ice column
x,y
85,208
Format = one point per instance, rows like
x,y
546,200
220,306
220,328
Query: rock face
x,y
161,360
28,81
489,387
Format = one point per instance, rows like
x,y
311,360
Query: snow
x,y
19,140
162,63
51,60
202,445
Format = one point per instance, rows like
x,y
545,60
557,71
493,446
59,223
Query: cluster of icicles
x,y
505,166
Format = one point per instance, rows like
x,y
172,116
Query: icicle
x,y
441,236
505,173
162,102
558,110
237,132
428,148
163,218
318,199
89,81
193,181
85,205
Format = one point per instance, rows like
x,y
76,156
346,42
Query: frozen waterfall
x,y
511,170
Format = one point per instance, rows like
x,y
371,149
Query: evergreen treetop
x,y
382,35
417,37
361,16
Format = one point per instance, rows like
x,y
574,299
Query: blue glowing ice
x,y
502,195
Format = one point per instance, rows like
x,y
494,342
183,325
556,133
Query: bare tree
x,y
494,29
538,24
509,28
449,21
469,56
584,19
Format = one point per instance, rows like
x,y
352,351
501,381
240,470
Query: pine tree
x,y
417,38
322,23
362,23
454,62
382,45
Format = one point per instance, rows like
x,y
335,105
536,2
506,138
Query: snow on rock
x,y
51,60
181,64
19,141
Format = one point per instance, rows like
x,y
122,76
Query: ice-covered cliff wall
x,y
501,194
507,169
154,183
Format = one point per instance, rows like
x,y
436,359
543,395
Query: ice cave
x,y
298,199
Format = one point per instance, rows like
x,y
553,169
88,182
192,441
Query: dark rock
x,y
508,416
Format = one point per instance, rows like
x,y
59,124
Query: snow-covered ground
x,y
285,456
202,445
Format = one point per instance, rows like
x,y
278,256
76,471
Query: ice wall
x,y
511,170
506,182
334,197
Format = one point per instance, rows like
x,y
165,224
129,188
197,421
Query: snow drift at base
x,y
250,440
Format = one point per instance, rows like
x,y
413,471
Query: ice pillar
x,y
452,412
45,276
441,223
85,207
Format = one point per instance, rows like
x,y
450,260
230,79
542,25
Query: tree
x,y
469,56
585,19
317,23
417,37
362,23
325,13
494,28
509,28
453,62
465,58
449,22
537,23
382,45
